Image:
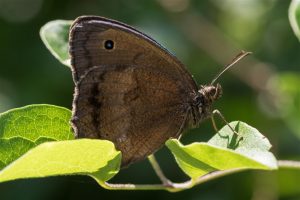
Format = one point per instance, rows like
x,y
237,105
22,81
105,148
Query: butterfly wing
x,y
132,92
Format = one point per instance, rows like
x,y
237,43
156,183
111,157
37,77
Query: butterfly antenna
x,y
233,62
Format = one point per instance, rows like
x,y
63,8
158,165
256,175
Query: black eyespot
x,y
109,44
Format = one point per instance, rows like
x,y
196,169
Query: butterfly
x,y
131,90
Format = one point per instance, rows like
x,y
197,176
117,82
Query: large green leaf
x,y
24,128
55,35
225,151
96,158
22,155
294,17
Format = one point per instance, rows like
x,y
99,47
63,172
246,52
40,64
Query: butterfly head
x,y
210,93
202,103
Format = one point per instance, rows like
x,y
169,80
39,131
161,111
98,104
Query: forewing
x,y
88,35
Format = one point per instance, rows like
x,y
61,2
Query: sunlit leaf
x,y
24,128
250,150
55,35
96,158
294,16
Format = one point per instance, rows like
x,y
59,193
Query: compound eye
x,y
198,100
213,91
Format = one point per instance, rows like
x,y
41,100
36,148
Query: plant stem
x,y
158,171
113,186
288,164
176,187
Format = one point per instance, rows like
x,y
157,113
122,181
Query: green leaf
x,y
96,158
225,151
24,128
55,35
294,16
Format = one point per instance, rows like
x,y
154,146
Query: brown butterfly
x,y
130,90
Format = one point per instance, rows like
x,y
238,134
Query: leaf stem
x,y
158,171
176,187
288,164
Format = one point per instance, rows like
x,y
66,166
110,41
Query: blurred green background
x,y
262,90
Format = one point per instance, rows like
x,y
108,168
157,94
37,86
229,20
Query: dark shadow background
x,y
205,35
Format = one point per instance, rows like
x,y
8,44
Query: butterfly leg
x,y
217,112
179,133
